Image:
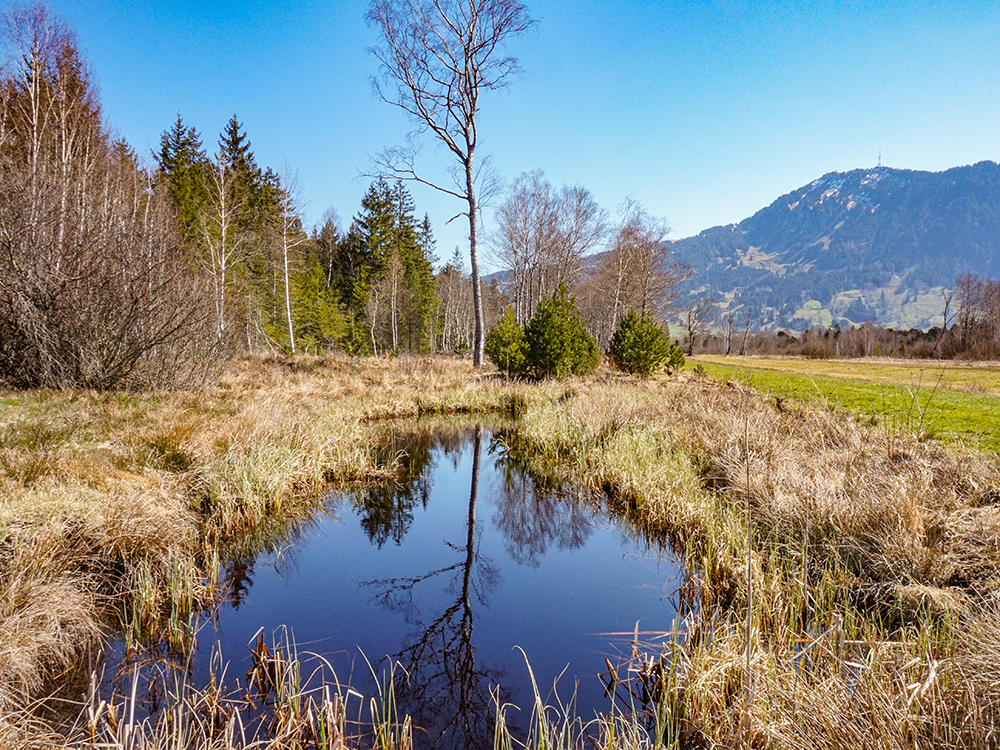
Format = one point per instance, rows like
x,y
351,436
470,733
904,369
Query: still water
x,y
447,572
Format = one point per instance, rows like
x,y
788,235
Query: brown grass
x,y
897,539
116,509
113,507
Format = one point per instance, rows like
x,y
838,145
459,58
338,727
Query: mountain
x,y
877,244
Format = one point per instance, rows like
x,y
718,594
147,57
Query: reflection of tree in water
x,y
238,575
386,509
243,554
447,694
532,518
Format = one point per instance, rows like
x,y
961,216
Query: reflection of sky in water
x,y
391,576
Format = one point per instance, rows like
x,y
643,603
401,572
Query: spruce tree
x,y
422,299
393,287
558,342
640,347
184,168
257,191
505,344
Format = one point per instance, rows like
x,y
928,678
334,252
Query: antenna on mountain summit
x,y
880,157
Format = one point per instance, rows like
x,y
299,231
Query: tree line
x,y
95,288
120,271
117,270
369,289
970,330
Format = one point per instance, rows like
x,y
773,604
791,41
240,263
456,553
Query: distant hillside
x,y
878,244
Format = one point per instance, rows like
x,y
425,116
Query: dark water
x,y
446,572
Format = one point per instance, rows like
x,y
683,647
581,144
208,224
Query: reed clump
x,y
871,551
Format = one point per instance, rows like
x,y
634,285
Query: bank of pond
x,y
470,587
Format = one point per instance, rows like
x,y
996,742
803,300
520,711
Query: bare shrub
x,y
94,289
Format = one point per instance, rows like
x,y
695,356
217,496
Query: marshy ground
x,y
862,560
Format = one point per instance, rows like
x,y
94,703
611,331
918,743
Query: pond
x,y
458,572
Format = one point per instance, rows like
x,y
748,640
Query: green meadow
x,y
944,401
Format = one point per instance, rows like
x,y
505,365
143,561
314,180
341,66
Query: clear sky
x,y
705,111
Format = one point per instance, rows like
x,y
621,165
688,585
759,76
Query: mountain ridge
x,y
878,244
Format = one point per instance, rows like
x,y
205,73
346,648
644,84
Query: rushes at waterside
x,y
279,706
897,540
113,507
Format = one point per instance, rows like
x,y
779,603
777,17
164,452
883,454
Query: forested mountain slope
x,y
878,244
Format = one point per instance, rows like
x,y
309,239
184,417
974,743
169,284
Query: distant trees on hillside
x,y
971,330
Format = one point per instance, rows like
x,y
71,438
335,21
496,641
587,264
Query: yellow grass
x,y
115,510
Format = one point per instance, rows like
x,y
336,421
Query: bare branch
x,y
397,162
437,57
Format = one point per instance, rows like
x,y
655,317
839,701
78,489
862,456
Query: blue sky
x,y
703,111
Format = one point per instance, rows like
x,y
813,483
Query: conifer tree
x,y
319,320
557,340
184,167
324,249
376,225
393,279
422,300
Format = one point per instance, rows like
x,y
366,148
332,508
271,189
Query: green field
x,y
944,401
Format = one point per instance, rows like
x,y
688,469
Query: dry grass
x,y
894,538
115,511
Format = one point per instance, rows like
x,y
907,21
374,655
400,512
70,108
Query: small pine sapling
x,y
640,347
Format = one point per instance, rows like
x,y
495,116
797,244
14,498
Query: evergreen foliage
x,y
558,342
184,168
227,209
393,286
506,346
370,290
640,347
255,189
319,322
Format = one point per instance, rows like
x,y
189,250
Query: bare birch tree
x,y
373,304
456,322
636,272
700,314
438,57
224,240
94,288
543,236
292,238
525,220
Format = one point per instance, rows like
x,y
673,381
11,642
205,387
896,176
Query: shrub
x,y
558,342
676,361
640,347
505,344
